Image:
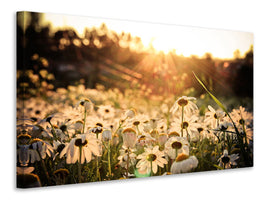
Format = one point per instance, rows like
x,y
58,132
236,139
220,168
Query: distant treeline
x,y
117,60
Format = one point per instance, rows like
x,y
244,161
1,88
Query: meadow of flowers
x,y
76,135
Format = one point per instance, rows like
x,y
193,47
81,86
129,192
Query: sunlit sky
x,y
184,40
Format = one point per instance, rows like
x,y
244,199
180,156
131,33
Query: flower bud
x,y
106,135
129,137
130,113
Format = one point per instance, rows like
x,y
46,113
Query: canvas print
x,y
104,99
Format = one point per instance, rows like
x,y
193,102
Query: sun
x,y
161,45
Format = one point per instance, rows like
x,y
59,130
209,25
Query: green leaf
x,y
216,101
212,96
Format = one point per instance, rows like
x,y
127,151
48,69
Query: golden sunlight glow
x,y
183,40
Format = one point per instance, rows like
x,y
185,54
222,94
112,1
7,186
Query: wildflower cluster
x,y
86,135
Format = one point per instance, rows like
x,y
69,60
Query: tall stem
x,y
224,140
176,153
97,166
53,131
79,165
182,121
84,118
127,163
244,130
139,133
168,121
109,163
151,168
188,136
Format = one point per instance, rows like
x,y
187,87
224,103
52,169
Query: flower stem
x,y
188,136
223,139
127,163
182,131
53,131
244,130
109,163
139,133
79,165
97,166
151,169
168,121
84,120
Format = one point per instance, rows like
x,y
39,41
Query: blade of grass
x,y
240,138
217,102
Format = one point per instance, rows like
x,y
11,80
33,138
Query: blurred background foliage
x,y
47,61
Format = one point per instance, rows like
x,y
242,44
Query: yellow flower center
x,y
55,126
182,102
61,173
48,119
184,125
151,157
84,101
79,143
136,123
99,124
174,133
181,157
241,121
24,136
128,130
97,130
176,145
63,128
142,138
200,129
225,159
36,140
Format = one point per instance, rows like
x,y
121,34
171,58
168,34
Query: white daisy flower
x,y
145,139
184,163
241,117
106,111
85,105
43,147
58,147
189,126
225,126
125,154
137,122
89,146
150,157
213,117
175,146
226,161
186,103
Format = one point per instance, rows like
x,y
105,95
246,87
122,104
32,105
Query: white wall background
x,y
238,15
